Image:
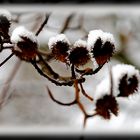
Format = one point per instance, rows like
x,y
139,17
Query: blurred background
x,y
28,108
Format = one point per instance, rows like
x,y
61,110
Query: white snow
x,y
96,34
93,36
80,43
119,70
6,13
102,89
60,37
21,31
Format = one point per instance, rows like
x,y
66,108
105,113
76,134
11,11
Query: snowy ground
x,y
29,108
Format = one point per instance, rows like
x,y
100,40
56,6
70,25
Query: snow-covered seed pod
x,y
101,45
59,45
105,103
5,22
25,43
79,54
126,79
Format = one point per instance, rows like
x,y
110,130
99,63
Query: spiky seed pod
x,y
59,45
5,22
25,43
101,45
107,105
126,80
79,55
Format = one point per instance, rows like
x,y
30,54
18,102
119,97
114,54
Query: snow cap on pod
x,y
79,54
101,45
105,103
126,79
20,32
5,13
59,45
25,43
5,22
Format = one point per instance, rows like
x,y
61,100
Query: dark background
x,y
73,1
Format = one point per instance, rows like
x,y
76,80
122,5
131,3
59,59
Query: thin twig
x,y
43,24
8,47
66,24
89,71
84,92
69,83
111,82
73,72
80,105
54,74
58,102
6,59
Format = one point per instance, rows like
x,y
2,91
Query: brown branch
x,y
54,74
58,83
80,105
89,71
58,102
84,92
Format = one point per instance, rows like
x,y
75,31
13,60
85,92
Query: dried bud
x,y
25,43
101,45
79,55
106,105
5,22
105,102
126,80
59,46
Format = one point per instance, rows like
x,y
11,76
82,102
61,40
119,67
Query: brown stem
x,y
58,102
73,72
84,92
80,105
111,82
58,83
89,71
55,75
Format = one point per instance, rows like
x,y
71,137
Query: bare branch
x,y
43,24
58,102
89,71
84,93
6,59
66,24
